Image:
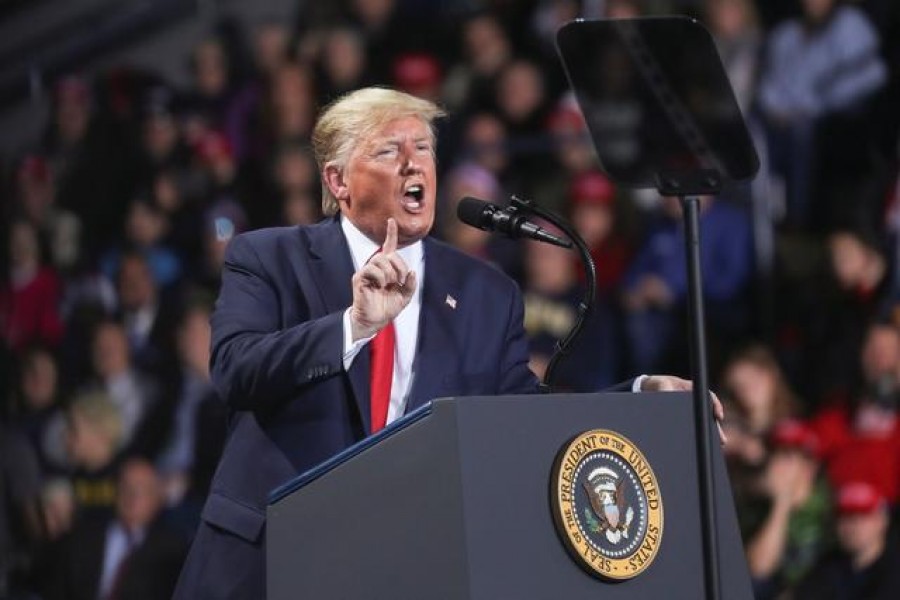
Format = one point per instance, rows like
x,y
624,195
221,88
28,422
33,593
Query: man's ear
x,y
333,176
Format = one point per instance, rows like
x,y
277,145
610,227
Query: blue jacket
x,y
277,356
277,360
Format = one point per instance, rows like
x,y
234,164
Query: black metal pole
x,y
691,208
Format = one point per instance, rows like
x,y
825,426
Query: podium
x,y
455,501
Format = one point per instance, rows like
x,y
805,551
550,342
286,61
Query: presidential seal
x,y
607,505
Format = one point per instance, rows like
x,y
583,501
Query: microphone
x,y
490,217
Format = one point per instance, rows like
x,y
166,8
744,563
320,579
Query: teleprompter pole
x,y
691,208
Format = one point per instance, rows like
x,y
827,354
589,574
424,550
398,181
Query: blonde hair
x,y
101,413
356,115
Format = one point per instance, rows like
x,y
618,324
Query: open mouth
x,y
412,197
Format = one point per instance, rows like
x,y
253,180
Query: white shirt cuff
x,y
351,348
636,385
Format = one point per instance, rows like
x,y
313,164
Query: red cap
x,y
792,434
592,188
566,119
213,145
858,498
416,71
34,168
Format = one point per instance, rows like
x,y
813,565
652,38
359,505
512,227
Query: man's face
x,y
857,533
110,351
391,173
817,10
139,495
136,286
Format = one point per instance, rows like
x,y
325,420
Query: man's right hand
x,y
381,289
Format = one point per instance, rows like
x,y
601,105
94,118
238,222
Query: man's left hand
x,y
670,383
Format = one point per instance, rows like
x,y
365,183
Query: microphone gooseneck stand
x,y
586,306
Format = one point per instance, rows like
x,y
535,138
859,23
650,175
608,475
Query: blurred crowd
x,y
115,223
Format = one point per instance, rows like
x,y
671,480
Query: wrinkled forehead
x,y
397,129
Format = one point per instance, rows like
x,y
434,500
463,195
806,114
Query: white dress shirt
x,y
119,544
406,324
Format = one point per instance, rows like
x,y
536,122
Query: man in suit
x,y
130,555
301,346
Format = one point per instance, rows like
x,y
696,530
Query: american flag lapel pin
x,y
451,301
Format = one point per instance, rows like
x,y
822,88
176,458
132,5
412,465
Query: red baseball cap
x,y
416,71
792,434
858,498
593,188
566,119
214,144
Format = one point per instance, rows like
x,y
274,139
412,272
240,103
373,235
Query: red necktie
x,y
381,374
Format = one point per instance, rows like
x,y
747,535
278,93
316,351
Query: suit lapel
x,y
330,264
332,268
437,322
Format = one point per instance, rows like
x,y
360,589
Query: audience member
x,y
86,155
296,185
486,49
735,28
791,531
418,74
59,230
134,393
860,436
161,144
655,286
867,563
36,413
291,107
271,47
129,554
95,435
58,508
572,154
226,181
30,298
804,80
146,228
147,314
343,63
592,209
19,508
838,312
191,453
212,91
758,399
468,179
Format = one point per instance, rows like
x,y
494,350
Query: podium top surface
x,y
321,469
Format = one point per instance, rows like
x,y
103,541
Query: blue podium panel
x,y
455,503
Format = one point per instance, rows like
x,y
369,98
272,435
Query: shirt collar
x,y
362,248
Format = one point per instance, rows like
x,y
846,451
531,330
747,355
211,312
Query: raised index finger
x,y
390,239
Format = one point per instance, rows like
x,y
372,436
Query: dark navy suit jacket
x,y
277,360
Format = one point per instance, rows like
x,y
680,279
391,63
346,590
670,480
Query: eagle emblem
x,y
607,505
604,489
